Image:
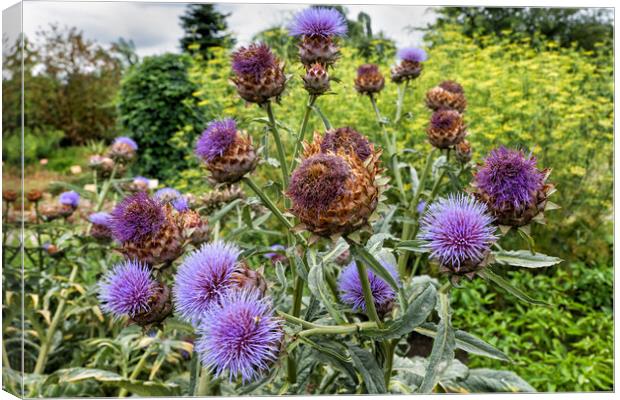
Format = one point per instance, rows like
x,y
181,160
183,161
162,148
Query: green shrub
x,y
156,105
38,144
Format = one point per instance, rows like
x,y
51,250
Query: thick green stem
x,y
302,131
140,365
267,202
369,299
407,225
46,345
391,149
105,189
279,146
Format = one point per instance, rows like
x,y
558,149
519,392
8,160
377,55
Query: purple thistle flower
x,y
141,180
318,21
127,289
203,278
351,293
458,230
216,139
413,54
137,217
101,218
167,194
509,178
128,141
318,181
69,199
240,335
253,60
180,204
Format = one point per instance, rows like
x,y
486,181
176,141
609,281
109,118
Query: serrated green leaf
x,y
367,366
484,380
524,258
507,286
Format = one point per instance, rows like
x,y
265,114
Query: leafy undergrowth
x,y
565,347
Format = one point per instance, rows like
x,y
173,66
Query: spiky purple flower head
x,y
167,194
71,198
412,54
318,22
509,178
351,292
240,336
126,140
347,139
127,289
318,181
137,217
253,60
101,218
180,204
458,230
203,278
216,139
140,180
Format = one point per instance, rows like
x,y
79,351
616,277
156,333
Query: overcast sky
x,y
154,27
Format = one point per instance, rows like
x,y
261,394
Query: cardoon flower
x,y
334,194
410,65
459,233
129,290
34,195
240,336
100,230
137,217
204,277
369,79
318,26
512,186
351,293
139,184
71,199
180,204
275,256
227,153
259,75
446,129
167,195
447,95
9,195
147,229
123,149
348,140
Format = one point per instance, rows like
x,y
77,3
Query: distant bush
x,y
155,105
37,144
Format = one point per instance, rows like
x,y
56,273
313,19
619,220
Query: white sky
x,y
154,27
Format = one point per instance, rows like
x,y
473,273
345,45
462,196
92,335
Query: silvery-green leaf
x,y
524,258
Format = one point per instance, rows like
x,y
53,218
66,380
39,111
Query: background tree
x,y
585,26
204,28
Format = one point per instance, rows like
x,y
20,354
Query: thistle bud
x,y
463,152
244,278
227,153
259,75
52,250
369,79
446,129
123,149
100,229
195,228
448,95
159,307
219,196
34,195
410,65
316,80
318,27
9,196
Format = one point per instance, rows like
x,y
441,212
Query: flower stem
x,y
302,131
402,89
140,365
39,367
391,148
267,202
105,189
279,146
408,226
369,299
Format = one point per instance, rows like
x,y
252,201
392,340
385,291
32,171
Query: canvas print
x,y
229,199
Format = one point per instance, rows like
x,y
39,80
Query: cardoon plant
x,y
258,74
